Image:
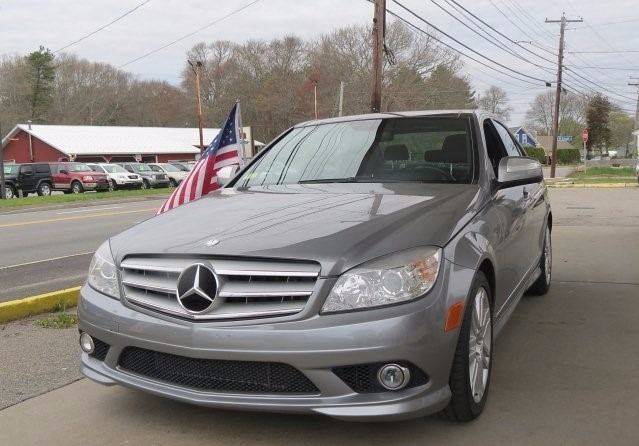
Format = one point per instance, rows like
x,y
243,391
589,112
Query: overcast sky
x,y
26,24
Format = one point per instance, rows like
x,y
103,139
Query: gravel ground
x,y
35,360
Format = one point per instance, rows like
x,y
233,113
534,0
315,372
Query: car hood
x,y
337,225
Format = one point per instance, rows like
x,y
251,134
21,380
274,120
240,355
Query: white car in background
x,y
174,173
119,177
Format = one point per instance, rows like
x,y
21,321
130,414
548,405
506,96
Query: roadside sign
x,y
584,135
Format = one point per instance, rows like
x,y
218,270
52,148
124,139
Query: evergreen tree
x,y
598,118
41,74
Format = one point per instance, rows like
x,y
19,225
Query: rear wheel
x,y
470,374
44,189
76,187
542,284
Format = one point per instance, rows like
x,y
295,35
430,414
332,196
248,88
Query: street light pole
x,y
198,105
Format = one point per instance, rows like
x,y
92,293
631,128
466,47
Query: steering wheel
x,y
440,174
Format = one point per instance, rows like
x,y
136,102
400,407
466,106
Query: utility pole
x,y
636,84
198,105
560,61
315,97
379,28
341,98
2,185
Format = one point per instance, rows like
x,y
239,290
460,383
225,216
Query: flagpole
x,y
240,132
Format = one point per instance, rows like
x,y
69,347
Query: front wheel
x,y
172,183
470,374
10,192
76,187
542,284
145,184
112,185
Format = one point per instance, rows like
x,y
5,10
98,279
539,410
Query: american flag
x,y
224,150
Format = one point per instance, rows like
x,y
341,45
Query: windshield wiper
x,y
336,180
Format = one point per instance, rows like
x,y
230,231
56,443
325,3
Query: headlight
x,y
395,278
87,178
102,272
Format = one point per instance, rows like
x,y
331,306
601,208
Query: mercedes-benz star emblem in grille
x,y
197,288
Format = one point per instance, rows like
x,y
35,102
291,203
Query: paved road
x,y
51,249
565,366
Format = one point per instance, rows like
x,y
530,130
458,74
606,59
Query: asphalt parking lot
x,y
565,369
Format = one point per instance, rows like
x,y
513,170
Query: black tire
x,y
76,187
145,185
173,183
44,189
10,191
463,405
542,284
113,185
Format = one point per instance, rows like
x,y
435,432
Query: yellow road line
x,y
75,217
17,309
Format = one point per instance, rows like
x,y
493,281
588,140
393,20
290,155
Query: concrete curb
x,y
42,303
593,185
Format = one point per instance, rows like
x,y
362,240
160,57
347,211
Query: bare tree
x,y
495,101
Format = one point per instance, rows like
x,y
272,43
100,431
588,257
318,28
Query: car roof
x,y
399,114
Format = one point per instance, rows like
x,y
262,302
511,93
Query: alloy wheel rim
x,y
46,190
8,192
479,345
547,256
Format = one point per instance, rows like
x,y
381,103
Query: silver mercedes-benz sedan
x,y
358,267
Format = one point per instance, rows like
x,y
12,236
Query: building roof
x,y
96,140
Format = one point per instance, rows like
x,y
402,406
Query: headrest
x,y
455,149
397,152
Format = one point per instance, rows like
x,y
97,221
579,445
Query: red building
x,y
35,143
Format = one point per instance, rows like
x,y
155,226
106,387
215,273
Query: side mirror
x,y
225,174
518,170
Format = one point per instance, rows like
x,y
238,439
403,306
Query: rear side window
x,y
42,168
55,168
26,169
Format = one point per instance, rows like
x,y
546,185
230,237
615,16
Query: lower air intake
x,y
216,375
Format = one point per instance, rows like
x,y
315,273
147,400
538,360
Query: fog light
x,y
86,343
393,376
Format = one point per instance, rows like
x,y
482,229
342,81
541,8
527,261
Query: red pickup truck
x,y
75,178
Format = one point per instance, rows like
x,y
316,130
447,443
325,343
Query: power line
x,y
514,42
491,39
185,36
410,11
604,52
117,19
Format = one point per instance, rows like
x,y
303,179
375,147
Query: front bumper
x,y
410,332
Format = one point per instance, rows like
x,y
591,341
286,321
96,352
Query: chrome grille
x,y
247,288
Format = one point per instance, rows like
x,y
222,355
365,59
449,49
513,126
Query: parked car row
x,y
76,178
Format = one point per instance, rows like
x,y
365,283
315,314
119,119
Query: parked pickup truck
x,y
75,178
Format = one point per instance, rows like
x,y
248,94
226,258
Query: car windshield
x,y
78,167
416,150
170,168
11,169
141,168
114,168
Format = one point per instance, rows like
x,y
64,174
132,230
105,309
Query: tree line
x,y
274,80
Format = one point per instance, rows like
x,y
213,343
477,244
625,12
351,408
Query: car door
x,y
534,196
26,178
61,180
510,222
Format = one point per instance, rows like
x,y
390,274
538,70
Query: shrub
x,y
536,152
568,156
